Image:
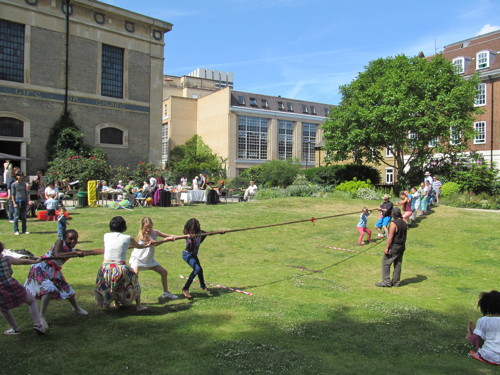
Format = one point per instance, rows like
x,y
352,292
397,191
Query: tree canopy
x,y
411,105
195,157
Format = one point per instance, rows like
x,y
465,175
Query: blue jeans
x,y
194,262
10,210
20,214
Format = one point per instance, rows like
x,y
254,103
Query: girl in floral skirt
x,y
46,281
13,294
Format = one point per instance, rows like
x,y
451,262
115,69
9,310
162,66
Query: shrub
x,y
78,167
450,188
336,174
354,185
280,173
478,179
370,194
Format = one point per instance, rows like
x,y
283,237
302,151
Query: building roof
x,y
277,103
469,48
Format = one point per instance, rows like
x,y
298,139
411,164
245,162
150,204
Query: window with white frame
x,y
313,110
165,111
164,143
480,98
305,108
388,152
459,62
480,132
389,176
289,107
285,139
308,141
412,136
264,103
482,60
455,136
252,137
434,142
281,106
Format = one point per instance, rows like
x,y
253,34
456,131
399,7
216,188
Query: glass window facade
x,y
252,137
285,139
11,51
112,71
308,141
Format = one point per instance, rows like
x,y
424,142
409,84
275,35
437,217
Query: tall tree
x,y
413,106
195,157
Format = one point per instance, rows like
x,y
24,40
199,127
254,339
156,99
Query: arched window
x,y
111,135
11,127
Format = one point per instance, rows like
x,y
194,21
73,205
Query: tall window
x,y
480,132
308,141
455,136
11,51
480,98
252,137
112,71
388,152
482,59
460,64
389,176
285,139
264,103
111,136
164,143
434,142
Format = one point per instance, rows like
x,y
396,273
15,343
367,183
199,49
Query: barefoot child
x,y
13,294
190,255
143,259
45,280
362,229
486,334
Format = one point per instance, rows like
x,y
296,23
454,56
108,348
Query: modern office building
x,y
104,63
243,128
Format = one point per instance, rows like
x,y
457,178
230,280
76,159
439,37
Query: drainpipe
x,y
66,72
492,120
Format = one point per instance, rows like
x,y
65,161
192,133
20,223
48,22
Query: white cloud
x,y
488,29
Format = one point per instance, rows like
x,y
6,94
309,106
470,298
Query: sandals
x,y
38,328
12,331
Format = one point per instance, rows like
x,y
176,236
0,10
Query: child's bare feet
x,y
186,294
43,322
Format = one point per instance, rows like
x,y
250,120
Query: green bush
x,y
74,167
336,174
370,194
354,185
280,173
449,188
478,179
471,200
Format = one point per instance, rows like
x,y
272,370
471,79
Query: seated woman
x,y
116,281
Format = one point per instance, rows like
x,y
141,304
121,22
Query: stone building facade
x,y
113,86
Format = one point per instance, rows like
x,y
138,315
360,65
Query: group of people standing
x,y
117,282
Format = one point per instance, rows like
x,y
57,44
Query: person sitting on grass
x,y
485,335
13,294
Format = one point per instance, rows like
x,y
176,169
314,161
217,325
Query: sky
x,y
306,49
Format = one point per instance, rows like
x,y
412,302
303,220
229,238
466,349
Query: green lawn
x,y
296,322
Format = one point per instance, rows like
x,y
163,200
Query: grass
x,y
296,322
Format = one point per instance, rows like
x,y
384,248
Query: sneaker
x,y
11,221
168,295
12,331
26,232
38,328
16,233
382,285
360,244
